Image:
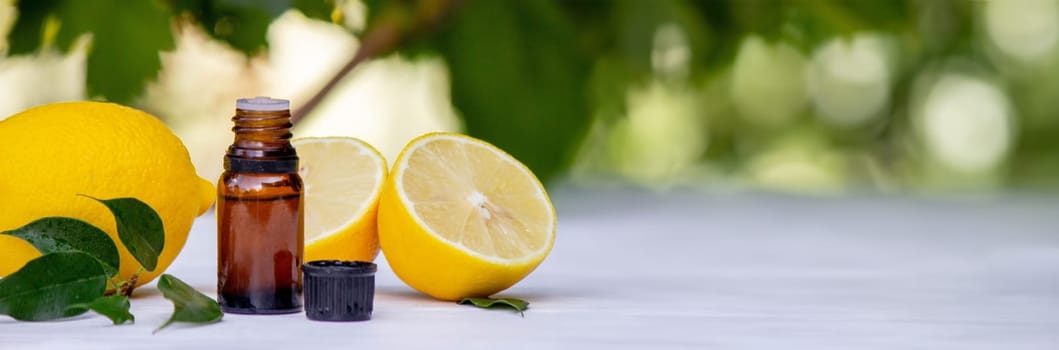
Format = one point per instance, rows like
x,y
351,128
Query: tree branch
x,y
390,32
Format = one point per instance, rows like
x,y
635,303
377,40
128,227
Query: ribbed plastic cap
x,y
339,290
262,104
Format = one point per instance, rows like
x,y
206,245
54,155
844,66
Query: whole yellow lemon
x,y
54,153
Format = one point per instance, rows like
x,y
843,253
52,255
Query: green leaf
x,y
489,303
126,39
519,79
52,286
243,24
139,228
317,9
59,234
188,304
28,32
115,307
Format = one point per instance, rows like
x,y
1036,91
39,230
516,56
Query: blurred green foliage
x,y
530,100
126,39
127,36
555,81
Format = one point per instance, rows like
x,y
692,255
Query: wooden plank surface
x,y
640,270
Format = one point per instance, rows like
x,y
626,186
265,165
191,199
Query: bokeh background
x,y
807,96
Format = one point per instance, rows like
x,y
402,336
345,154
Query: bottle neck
x,y
262,143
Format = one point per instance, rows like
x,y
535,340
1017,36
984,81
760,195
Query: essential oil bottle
x,y
260,213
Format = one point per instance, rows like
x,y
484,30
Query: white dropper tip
x,y
262,104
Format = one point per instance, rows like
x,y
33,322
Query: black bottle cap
x,y
339,290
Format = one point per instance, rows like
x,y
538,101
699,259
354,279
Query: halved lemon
x,y
461,218
343,179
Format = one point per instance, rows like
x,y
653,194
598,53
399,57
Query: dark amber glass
x,y
260,214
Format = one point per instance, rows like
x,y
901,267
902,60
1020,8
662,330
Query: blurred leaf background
x,y
808,96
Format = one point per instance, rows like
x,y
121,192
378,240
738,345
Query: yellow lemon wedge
x,y
343,179
461,218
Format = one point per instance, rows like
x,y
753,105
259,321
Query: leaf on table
x,y
489,303
61,234
115,307
519,79
188,304
139,228
46,287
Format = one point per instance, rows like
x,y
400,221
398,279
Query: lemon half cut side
x,y
461,218
342,179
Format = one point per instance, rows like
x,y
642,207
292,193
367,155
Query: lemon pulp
x,y
460,217
343,179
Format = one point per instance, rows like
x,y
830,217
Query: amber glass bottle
x,y
260,213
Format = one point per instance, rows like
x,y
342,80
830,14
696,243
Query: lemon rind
x,y
398,176
365,205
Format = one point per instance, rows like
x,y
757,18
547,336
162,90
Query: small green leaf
x,y
46,287
59,234
115,307
188,304
488,303
139,228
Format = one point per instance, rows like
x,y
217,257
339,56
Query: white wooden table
x,y
635,270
